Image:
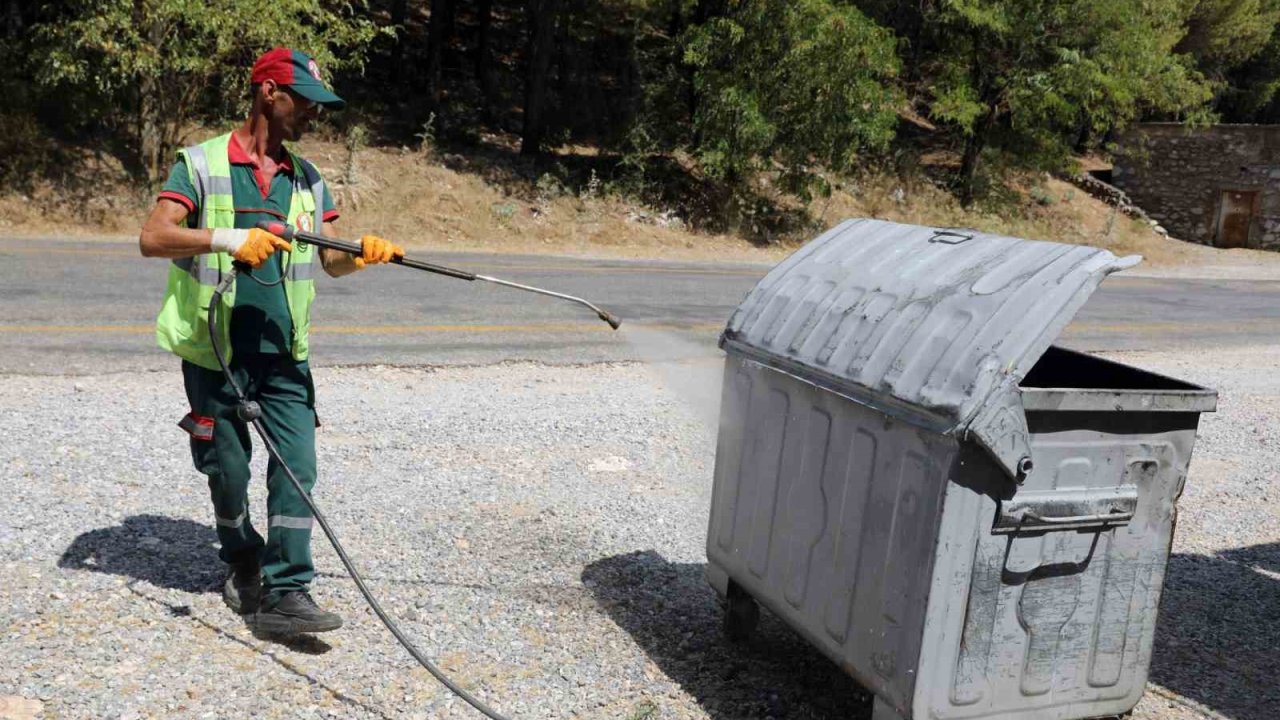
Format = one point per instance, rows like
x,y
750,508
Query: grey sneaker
x,y
296,613
242,590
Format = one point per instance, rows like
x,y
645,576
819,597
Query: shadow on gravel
x,y
1217,633
674,615
181,555
166,552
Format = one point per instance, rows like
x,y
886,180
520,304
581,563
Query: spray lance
x,y
250,412
282,230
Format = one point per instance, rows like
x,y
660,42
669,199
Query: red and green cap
x,y
299,72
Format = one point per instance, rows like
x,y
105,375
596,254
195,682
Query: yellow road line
x,y
79,329
482,268
589,325
1156,328
584,326
43,250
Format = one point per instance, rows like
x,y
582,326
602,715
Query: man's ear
x,y
269,88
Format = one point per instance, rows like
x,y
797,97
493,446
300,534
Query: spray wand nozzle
x,y
283,230
613,320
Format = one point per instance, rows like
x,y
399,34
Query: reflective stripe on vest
x,y
182,326
199,269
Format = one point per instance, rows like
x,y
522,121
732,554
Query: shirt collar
x,y
237,155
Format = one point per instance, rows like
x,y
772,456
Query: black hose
x,y
250,412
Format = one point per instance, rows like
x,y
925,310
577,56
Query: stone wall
x,y
1177,175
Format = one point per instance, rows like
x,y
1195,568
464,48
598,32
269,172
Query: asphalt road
x,y
75,307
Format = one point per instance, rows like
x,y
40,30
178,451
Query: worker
x,y
203,220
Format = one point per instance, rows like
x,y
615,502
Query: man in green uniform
x,y
204,220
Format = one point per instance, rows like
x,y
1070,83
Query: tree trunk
x,y
969,168
149,129
632,80
13,24
707,9
973,147
916,33
703,11
150,107
437,37
399,13
1083,136
676,28
542,26
484,65
447,19
567,69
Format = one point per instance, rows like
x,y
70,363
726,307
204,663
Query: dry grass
x,y
412,198
1049,210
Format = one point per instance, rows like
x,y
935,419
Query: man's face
x,y
292,114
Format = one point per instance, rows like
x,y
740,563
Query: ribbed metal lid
x,y
941,322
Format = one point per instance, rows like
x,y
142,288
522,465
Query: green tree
x,y
1223,34
1252,94
1236,45
1026,76
149,67
800,83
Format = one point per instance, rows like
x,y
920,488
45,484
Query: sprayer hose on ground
x,y
251,413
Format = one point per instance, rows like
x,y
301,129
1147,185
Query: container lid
x,y
938,325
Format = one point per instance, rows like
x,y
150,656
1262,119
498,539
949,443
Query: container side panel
x,y
969,684
762,480
839,538
730,450
1055,624
855,494
1111,632
887,590
1050,596
913,530
805,504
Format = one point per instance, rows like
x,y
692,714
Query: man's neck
x,y
255,137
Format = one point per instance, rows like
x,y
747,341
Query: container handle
x,y
951,236
1099,519
1083,509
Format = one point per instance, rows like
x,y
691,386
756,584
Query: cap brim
x,y
317,93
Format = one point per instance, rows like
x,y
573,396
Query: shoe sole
x,y
285,625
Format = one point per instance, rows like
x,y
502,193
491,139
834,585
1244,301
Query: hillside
x,y
443,202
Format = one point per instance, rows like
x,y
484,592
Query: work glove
x,y
374,250
251,247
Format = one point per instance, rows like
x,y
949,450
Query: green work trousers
x,y
221,449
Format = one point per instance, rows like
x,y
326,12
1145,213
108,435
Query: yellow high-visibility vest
x,y
182,326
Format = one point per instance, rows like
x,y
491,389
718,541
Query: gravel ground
x,y
539,530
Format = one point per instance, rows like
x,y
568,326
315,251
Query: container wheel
x,y
741,613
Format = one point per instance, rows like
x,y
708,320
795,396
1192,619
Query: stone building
x,y
1218,185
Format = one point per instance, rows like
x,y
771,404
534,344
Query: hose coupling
x,y
248,411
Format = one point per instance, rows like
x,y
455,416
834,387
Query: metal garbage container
x,y
972,522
